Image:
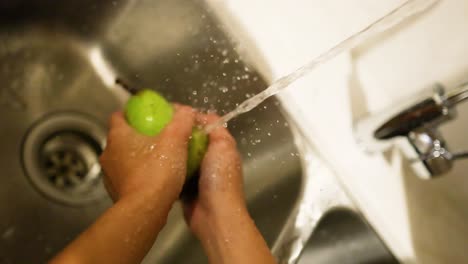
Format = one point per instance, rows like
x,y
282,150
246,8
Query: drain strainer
x,y
60,157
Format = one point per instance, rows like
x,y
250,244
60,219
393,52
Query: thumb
x,y
178,131
119,122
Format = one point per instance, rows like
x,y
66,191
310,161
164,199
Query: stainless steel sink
x,y
63,65
343,237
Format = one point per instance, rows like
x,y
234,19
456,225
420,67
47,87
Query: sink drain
x,y
60,157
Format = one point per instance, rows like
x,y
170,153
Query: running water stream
x,y
405,11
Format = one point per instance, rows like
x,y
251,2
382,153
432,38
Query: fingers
x,y
221,170
118,128
117,120
179,130
218,134
221,142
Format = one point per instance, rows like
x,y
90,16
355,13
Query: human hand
x,y
220,186
136,164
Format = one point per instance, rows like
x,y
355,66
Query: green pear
x,y
149,112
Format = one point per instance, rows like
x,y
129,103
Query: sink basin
x,y
59,67
342,236
65,67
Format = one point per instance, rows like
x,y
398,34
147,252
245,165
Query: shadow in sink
x,y
343,237
48,68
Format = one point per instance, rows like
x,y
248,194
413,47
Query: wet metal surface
x,y
73,56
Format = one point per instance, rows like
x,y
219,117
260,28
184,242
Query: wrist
x,y
216,222
165,188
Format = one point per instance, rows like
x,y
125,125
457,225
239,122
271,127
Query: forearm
x,y
231,236
124,233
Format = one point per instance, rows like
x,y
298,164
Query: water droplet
x,y
224,89
48,249
194,92
8,233
205,99
243,141
249,154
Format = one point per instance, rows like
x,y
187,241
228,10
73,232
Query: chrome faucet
x,y
416,122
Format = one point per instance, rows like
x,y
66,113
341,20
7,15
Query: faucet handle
x,y
429,153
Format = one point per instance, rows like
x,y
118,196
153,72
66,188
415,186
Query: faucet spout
x,y
418,123
410,119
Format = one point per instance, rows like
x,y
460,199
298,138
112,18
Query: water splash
x,y
405,11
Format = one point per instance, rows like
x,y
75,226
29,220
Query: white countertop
x,y
289,33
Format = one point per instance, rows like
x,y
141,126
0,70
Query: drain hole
x,y
60,157
64,168
67,158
